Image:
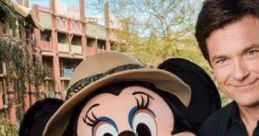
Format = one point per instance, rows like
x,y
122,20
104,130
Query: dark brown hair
x,y
216,14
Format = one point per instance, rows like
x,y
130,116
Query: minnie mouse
x,y
111,94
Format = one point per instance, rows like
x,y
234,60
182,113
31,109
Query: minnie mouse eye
x,y
107,134
105,129
143,130
144,124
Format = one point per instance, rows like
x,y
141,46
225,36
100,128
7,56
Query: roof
x,y
26,13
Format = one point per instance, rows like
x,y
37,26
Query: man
x,y
228,35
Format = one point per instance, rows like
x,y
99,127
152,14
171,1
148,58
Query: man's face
x,y
234,57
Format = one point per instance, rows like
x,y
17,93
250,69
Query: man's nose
x,y
240,71
127,133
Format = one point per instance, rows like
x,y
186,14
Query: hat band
x,y
76,87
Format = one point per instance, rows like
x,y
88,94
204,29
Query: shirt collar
x,y
234,115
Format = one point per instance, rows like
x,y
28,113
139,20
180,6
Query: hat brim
x,y
160,78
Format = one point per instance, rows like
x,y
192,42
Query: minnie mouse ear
x,y
38,115
205,98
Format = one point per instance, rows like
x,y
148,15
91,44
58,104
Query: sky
x,y
74,3
92,11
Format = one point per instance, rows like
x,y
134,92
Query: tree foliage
x,y
20,62
6,129
10,18
22,65
155,30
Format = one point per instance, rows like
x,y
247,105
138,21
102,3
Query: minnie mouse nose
x,y
127,133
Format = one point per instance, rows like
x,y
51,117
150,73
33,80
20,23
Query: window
x,y
63,38
49,88
67,67
76,40
48,63
90,42
45,35
101,44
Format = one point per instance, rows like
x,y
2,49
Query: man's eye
x,y
252,52
221,60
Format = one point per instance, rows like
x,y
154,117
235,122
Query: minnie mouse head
x,y
111,94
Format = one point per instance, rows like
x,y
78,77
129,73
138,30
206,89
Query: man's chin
x,y
185,134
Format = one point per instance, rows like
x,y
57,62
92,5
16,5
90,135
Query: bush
x,y
6,129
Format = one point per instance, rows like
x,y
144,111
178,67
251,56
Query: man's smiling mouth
x,y
247,84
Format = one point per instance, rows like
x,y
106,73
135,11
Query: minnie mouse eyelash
x,y
142,104
88,120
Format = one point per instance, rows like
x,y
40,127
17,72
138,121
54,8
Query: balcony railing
x,y
76,27
67,73
91,50
50,94
63,47
46,45
76,48
62,24
45,19
100,50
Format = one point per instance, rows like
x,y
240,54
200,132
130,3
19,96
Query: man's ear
x,y
37,116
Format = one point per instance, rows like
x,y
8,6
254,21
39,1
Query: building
x,y
10,33
64,37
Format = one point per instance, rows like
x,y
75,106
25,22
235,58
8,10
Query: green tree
x,y
155,30
6,129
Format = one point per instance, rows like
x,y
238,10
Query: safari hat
x,y
106,68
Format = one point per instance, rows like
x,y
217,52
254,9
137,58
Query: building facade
x,y
65,38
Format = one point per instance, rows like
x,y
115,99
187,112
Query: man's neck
x,y
250,117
